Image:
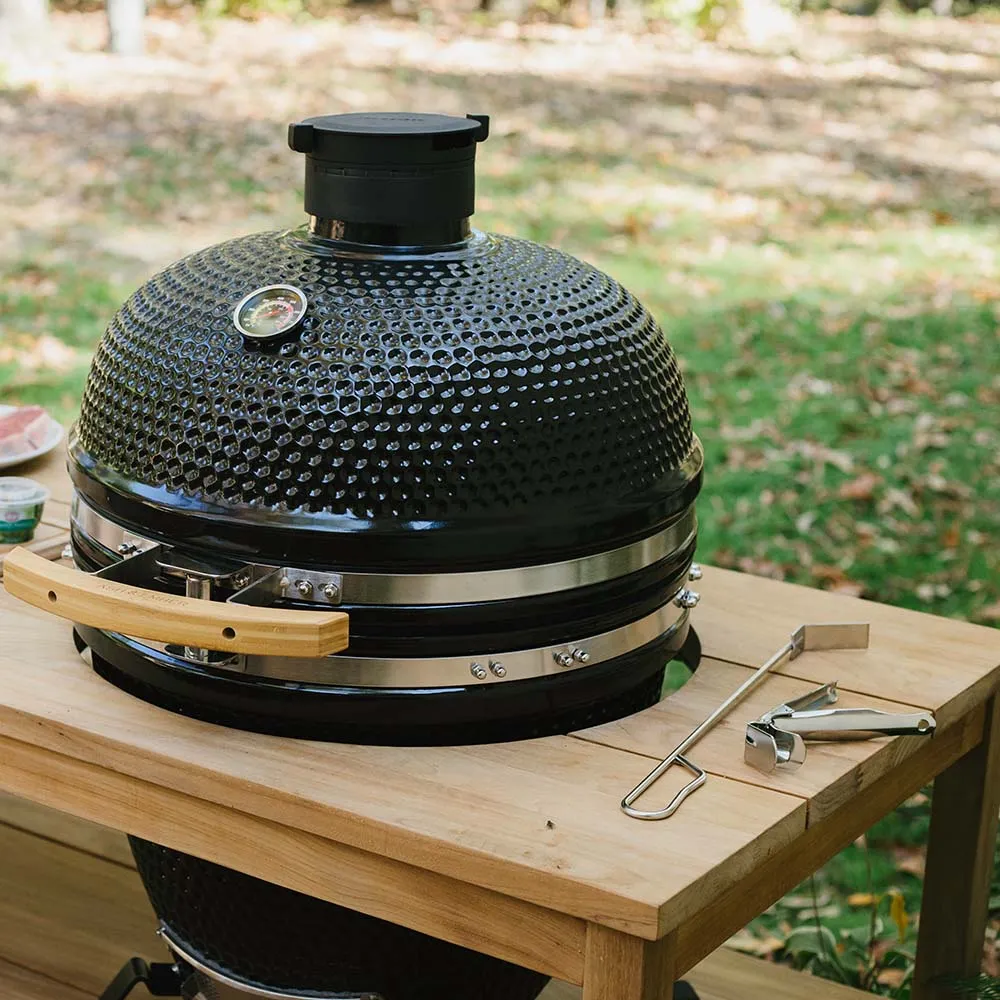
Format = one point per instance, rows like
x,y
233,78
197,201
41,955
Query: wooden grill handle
x,y
187,621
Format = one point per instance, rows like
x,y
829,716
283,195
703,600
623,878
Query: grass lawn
x,y
814,226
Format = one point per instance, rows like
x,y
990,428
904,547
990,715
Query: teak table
x,y
520,850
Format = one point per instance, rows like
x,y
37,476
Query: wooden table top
x,y
537,821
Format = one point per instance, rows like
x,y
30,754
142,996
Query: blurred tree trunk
x,y
24,24
510,9
598,10
767,22
630,15
125,37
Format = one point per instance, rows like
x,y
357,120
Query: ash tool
x,y
804,638
777,739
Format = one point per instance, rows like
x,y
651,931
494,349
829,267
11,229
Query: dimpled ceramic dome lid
x,y
388,387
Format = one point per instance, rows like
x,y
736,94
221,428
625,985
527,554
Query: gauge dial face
x,y
270,312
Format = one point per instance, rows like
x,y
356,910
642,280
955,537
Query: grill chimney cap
x,y
391,168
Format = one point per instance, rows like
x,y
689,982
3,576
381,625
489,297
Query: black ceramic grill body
x,y
449,402
273,938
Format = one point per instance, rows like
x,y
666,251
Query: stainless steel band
x,y
448,671
240,987
429,588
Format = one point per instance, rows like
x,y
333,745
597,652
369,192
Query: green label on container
x,y
17,531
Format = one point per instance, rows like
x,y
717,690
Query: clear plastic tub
x,y
21,504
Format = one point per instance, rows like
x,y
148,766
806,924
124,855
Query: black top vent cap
x,y
392,168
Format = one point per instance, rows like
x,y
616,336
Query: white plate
x,y
52,438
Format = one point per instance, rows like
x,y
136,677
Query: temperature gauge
x,y
270,312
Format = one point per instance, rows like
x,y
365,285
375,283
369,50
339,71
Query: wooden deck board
x,y
17,983
70,916
728,975
61,827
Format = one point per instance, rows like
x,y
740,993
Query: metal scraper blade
x,y
838,635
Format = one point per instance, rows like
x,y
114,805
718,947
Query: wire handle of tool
x,y
676,756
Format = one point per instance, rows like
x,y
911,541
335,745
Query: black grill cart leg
x,y
162,979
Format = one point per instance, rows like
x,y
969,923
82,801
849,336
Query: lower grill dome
x,y
413,674
275,938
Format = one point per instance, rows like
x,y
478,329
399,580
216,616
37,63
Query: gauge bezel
x,y
296,293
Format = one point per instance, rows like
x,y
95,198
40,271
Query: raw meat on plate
x,y
23,430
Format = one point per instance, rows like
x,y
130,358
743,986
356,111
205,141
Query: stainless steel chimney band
x,y
407,589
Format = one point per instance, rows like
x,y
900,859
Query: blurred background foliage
x,y
708,17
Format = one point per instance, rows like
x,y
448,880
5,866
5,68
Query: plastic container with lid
x,y
21,504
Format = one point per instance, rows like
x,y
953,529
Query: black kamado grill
x,y
477,447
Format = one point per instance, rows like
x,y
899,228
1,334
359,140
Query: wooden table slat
x,y
833,771
56,513
725,975
50,471
366,882
936,663
507,817
49,541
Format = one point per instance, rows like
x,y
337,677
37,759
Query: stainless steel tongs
x,y
777,738
806,637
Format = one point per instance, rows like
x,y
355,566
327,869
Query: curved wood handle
x,y
187,621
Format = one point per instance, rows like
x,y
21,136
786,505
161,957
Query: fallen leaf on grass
x,y
761,567
820,454
860,488
634,227
917,386
891,977
762,947
951,537
991,613
861,899
910,860
835,580
881,948
898,498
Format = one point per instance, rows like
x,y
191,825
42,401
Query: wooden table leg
x,y
959,865
617,966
